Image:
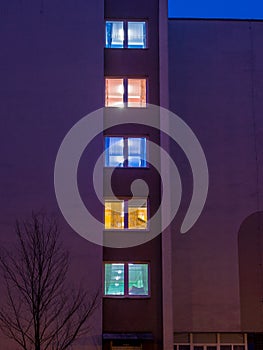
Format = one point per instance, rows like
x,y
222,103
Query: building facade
x,y
60,61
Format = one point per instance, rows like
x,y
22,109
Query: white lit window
x,y
126,279
125,152
125,34
130,91
126,214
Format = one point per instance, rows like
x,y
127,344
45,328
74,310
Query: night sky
x,y
232,9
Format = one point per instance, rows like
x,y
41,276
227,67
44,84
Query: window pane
x,y
137,214
182,338
114,214
225,347
137,152
204,338
137,35
114,279
232,338
138,279
114,147
114,91
136,92
184,347
114,34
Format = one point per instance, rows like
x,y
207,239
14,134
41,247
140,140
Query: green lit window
x,y
114,279
126,279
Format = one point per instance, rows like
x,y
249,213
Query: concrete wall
x,y
52,74
216,80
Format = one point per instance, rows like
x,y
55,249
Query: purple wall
x,y
52,74
216,78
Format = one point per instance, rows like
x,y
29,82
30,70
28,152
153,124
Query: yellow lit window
x,y
137,214
114,214
127,214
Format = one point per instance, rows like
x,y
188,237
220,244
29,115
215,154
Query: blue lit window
x,y
125,152
137,35
125,34
114,34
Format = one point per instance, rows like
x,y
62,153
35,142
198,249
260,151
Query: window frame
x,y
125,79
126,151
217,344
125,228
125,22
126,294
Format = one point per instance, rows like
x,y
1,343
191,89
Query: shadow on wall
x,y
250,252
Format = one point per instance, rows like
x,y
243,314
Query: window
x,y
126,279
210,341
126,214
125,34
125,152
131,91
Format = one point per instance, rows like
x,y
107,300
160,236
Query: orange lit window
x,y
114,92
136,92
130,91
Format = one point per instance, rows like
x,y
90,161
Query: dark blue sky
x,y
236,9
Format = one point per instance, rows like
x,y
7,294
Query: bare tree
x,y
39,312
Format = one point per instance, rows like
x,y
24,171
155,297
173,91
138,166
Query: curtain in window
x,y
114,34
144,271
137,92
108,273
138,279
108,34
114,151
136,34
137,152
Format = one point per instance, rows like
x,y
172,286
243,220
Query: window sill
x,y
126,230
126,48
127,296
127,167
